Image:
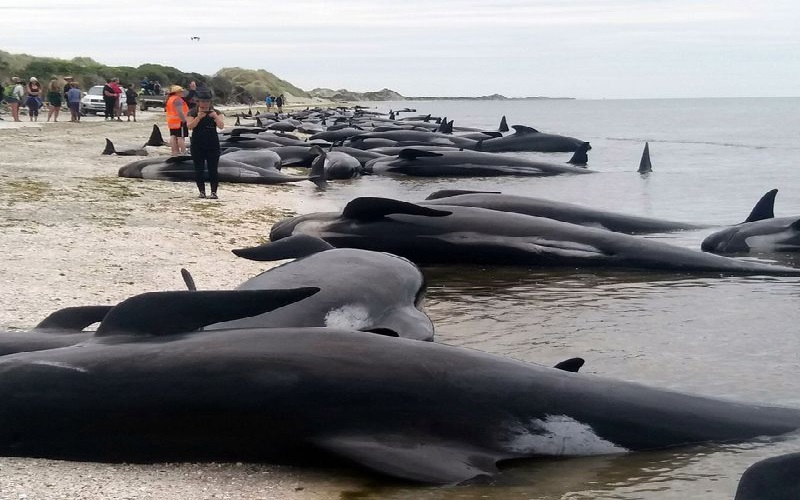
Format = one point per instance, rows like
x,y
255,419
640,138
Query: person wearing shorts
x,y
54,92
130,98
176,120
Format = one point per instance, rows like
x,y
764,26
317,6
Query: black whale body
x,y
558,210
414,410
427,163
453,234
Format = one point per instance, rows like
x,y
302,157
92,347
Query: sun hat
x,y
15,79
33,79
175,88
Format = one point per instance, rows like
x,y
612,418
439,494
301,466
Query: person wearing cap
x,y
14,97
176,120
204,121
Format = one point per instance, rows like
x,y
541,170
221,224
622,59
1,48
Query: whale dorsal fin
x,y
422,460
73,319
156,139
166,313
447,193
188,280
413,154
292,247
371,208
644,164
580,157
523,129
503,125
765,207
109,150
570,365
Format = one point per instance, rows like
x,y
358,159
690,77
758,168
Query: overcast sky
x,y
581,48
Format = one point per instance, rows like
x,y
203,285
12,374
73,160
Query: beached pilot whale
x,y
557,210
359,290
414,410
420,162
529,139
775,478
760,232
467,235
181,168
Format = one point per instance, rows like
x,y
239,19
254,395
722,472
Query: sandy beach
x,y
76,234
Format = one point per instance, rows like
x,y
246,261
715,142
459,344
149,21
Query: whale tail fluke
x,y
644,164
503,125
109,150
580,158
764,208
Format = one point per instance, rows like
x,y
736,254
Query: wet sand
x,y
76,234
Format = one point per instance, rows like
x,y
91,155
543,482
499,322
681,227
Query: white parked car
x,y
93,102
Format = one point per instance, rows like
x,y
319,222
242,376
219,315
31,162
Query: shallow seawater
x,y
728,337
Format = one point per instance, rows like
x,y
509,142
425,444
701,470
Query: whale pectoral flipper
x,y
570,365
764,208
418,460
166,313
293,247
73,319
188,280
369,208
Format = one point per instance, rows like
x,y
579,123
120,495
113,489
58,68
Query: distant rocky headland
x,y
391,95
229,84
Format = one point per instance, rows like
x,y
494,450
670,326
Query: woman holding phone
x,y
204,121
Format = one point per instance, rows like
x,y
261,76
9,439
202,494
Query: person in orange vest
x,y
176,120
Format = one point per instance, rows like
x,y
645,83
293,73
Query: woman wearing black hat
x,y
204,122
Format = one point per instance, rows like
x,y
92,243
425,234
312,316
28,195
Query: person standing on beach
x,y
14,97
204,121
269,102
117,101
279,103
176,120
34,101
74,102
109,99
130,98
67,86
54,92
191,96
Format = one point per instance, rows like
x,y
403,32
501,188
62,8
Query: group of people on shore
x,y
112,92
277,101
33,96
